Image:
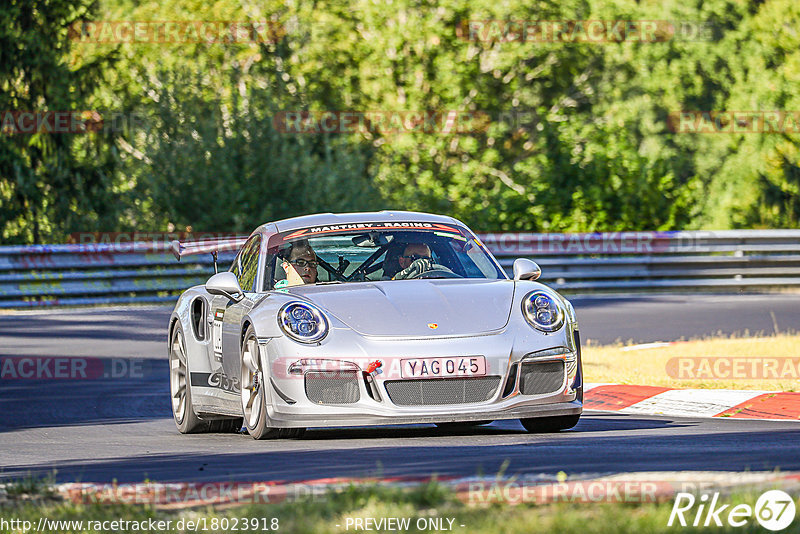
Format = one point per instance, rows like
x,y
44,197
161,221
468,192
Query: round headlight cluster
x,y
543,311
303,322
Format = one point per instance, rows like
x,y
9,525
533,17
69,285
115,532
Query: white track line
x,y
691,402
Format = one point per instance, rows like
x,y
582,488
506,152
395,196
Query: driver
x,y
415,260
300,263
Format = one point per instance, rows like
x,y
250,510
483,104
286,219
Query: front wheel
x,y
254,394
550,424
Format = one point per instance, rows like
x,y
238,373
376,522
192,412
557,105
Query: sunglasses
x,y
305,263
414,257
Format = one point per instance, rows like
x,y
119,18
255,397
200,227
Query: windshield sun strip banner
x,y
443,234
349,227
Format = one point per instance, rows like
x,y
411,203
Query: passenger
x,y
300,263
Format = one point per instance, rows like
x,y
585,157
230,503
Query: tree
x,y
50,183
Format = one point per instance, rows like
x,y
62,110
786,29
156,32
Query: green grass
x,y
322,514
30,487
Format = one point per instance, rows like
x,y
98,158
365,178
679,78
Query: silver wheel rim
x,y
252,383
177,374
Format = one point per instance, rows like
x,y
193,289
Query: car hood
x,y
416,307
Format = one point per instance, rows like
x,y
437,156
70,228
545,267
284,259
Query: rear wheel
x,y
185,417
180,391
254,387
550,424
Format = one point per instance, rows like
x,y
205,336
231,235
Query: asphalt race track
x,y
104,429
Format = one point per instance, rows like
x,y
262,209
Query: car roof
x,y
325,219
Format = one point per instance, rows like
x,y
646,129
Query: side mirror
x,y
525,269
225,284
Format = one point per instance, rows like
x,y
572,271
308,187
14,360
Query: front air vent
x,y
332,387
541,378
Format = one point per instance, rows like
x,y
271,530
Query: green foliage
x,y
31,486
50,183
224,167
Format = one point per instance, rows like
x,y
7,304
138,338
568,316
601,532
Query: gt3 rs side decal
x,y
217,380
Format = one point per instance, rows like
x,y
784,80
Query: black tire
x,y
550,424
292,433
254,396
462,425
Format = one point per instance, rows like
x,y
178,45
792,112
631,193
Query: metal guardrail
x,y
623,261
51,275
67,275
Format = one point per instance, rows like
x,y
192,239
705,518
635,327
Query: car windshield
x,y
374,255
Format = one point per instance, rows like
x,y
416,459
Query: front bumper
x,y
293,420
288,405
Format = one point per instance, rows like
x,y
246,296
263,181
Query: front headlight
x,y
303,322
543,311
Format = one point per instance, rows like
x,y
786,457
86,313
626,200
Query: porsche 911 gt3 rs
x,y
370,319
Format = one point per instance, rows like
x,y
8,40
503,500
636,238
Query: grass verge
x,y
428,508
770,363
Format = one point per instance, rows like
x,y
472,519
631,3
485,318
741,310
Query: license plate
x,y
443,367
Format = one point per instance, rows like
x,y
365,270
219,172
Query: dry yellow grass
x,y
762,363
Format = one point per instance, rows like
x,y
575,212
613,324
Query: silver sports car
x,y
370,319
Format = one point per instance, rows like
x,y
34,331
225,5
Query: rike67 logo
x,y
774,510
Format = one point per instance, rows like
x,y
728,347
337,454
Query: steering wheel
x,y
439,271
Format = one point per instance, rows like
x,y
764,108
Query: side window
x,y
474,263
245,267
